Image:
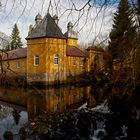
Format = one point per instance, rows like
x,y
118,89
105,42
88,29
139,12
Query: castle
x,y
50,55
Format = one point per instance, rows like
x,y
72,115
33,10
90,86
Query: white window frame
x,y
36,60
56,59
82,62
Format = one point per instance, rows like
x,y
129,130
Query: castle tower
x,y
71,35
46,52
55,17
38,19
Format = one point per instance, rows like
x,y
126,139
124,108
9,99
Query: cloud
x,y
91,24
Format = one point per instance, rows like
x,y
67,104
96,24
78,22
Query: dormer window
x,y
56,58
36,60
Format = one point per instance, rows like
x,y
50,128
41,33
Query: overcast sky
x,y
92,24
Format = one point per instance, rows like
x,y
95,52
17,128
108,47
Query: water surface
x,y
19,105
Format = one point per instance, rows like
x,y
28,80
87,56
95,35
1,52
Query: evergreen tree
x,y
15,38
123,33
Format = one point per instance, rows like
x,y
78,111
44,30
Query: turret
x,y
70,26
55,17
70,32
38,19
71,35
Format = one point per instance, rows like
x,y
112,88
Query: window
x,y
74,62
56,58
56,107
10,66
82,62
36,109
18,64
36,60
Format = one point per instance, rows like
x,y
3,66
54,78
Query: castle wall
x,y
75,65
14,67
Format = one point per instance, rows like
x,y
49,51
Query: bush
x,y
8,135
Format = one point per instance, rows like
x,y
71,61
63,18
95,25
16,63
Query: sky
x,y
92,23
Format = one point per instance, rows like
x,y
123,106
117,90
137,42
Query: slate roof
x,y
47,28
14,54
66,34
74,51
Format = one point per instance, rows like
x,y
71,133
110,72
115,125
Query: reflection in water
x,y
50,99
55,99
59,99
42,101
7,120
16,115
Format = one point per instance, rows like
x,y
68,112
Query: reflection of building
x,y
54,99
51,55
50,99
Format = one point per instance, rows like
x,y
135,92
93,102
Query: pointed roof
x,y
47,28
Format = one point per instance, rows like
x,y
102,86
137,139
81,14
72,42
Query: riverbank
x,y
83,79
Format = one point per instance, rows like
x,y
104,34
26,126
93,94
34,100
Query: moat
x,y
18,105
56,109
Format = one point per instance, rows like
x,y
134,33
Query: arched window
x,y
56,58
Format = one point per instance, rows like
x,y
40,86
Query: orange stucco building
x,y
50,55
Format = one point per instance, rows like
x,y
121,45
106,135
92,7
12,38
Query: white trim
x,y
82,62
56,59
35,58
17,64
